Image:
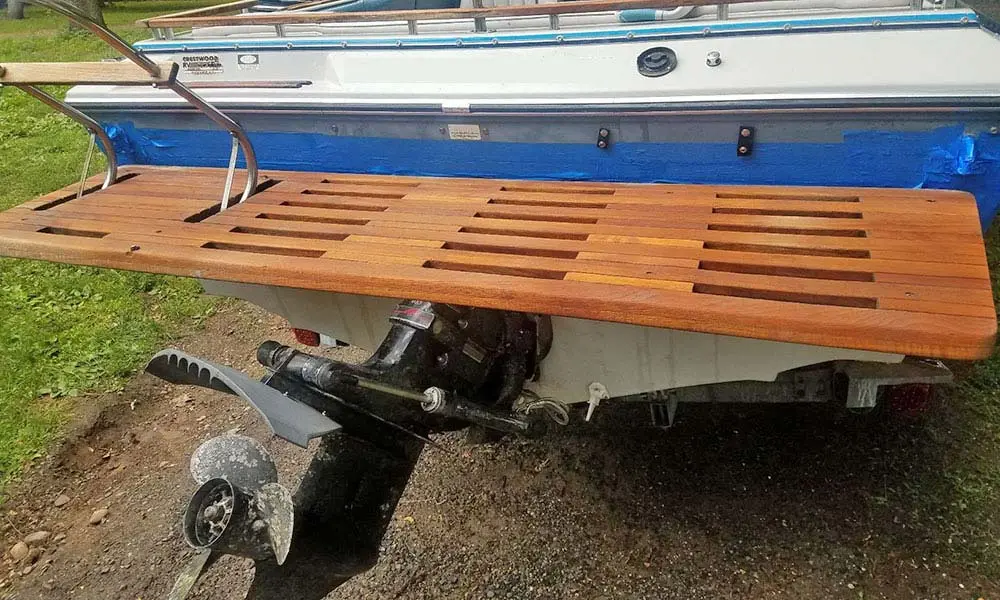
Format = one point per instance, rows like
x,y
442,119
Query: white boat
x,y
830,92
493,300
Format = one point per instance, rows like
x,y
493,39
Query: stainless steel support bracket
x,y
86,164
95,129
228,189
125,49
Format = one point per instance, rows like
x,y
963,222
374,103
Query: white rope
x,y
555,409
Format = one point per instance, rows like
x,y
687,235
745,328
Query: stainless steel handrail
x,y
235,130
311,12
93,126
137,57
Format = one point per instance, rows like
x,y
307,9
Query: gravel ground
x,y
753,502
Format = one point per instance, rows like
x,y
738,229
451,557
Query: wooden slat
x,y
888,270
208,11
82,73
288,17
652,242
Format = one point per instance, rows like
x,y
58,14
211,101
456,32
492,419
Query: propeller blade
x,y
275,505
190,573
240,460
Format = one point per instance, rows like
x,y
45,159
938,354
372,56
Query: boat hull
x,y
903,148
845,99
626,359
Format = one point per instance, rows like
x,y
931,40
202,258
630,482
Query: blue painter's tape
x,y
969,163
943,158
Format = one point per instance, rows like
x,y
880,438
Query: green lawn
x,y
68,331
953,470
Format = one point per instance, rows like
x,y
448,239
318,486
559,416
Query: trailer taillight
x,y
306,337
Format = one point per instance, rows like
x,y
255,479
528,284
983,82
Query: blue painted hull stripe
x,y
620,33
945,158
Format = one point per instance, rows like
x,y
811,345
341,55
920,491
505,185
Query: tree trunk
x,y
15,9
91,8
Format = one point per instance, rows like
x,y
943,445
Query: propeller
x,y
239,508
338,515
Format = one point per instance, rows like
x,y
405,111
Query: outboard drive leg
x,y
440,368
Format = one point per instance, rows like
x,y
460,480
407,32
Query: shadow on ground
x,y
765,501
733,502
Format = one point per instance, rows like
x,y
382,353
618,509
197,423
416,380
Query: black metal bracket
x,y
744,143
604,138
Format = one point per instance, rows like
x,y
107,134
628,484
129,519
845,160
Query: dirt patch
x,y
762,502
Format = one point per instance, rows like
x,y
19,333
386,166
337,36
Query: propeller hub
x,y
220,516
209,513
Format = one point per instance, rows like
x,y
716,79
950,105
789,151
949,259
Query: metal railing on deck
x,y
27,76
312,12
305,13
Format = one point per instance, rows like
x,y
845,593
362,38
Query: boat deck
x,y
889,270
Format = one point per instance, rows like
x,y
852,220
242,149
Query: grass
x,y
954,469
68,331
119,16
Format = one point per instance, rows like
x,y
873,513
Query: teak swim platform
x,y
888,270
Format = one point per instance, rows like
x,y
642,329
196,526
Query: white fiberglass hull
x,y
837,99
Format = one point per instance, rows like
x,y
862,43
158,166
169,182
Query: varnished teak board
x,y
900,271
84,73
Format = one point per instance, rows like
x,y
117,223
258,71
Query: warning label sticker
x,y
465,132
201,64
